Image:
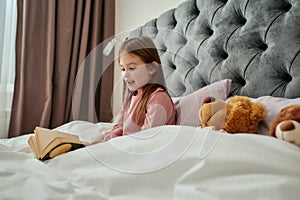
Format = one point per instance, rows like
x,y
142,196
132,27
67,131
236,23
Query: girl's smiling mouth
x,y
130,83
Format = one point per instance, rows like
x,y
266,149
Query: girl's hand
x,y
108,137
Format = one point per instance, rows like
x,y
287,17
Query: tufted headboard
x,y
255,43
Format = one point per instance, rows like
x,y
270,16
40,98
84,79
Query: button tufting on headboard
x,y
242,20
264,46
287,6
254,43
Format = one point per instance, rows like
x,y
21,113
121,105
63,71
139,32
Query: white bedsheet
x,y
168,162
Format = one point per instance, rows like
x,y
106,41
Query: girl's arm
x,y
115,132
117,129
160,111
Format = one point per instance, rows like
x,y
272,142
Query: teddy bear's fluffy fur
x,y
238,115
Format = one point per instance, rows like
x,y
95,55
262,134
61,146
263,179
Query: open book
x,y
47,143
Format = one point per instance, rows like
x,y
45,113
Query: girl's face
x,y
135,73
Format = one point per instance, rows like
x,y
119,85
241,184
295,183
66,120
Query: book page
x,y
47,139
32,143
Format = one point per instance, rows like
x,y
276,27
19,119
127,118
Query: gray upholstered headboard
x,y
255,43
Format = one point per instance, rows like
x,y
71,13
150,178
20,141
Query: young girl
x,y
147,103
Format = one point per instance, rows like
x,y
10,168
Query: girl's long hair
x,y
145,49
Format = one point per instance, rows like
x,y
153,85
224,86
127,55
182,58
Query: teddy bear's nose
x,y
208,99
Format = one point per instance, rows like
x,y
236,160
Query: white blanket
x,y
168,162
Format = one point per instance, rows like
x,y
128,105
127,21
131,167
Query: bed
x,y
219,48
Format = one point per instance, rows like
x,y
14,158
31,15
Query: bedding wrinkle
x,y
231,169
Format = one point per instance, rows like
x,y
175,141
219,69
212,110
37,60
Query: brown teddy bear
x,y
238,115
286,125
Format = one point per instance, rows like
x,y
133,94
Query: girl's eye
x,y
132,68
122,69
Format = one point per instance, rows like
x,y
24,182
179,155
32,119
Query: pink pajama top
x,y
160,110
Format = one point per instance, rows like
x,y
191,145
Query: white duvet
x,y
168,162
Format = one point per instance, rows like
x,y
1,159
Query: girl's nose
x,y
125,73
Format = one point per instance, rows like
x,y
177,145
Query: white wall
x,y
133,13
129,15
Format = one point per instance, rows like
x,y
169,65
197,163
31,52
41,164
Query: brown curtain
x,y
54,40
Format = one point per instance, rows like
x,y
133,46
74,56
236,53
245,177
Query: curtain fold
x,y
8,22
54,40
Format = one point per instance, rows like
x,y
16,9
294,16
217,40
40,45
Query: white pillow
x,y
187,107
273,106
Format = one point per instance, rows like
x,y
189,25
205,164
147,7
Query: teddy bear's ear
x,y
275,122
208,99
258,111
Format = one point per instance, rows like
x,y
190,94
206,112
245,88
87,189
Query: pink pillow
x,y
187,107
273,106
